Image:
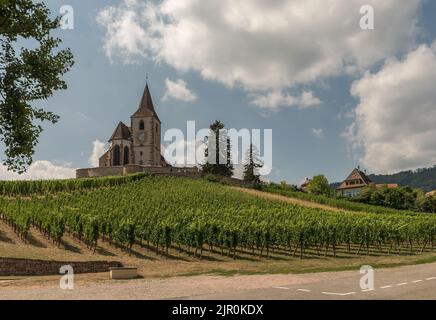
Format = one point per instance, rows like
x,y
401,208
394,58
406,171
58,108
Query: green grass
x,y
168,212
349,265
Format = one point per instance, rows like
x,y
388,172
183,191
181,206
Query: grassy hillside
x,y
195,214
180,225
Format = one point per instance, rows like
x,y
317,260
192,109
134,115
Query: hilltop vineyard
x,y
30,187
195,216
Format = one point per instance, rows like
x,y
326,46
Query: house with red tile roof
x,y
356,181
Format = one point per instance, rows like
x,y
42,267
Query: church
x,y
139,143
136,148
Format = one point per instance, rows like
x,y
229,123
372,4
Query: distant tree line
x,y
402,198
424,179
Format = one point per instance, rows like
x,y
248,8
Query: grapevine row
x,y
32,187
194,215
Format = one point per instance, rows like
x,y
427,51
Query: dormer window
x,y
141,125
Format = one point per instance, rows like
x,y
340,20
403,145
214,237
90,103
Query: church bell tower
x,y
146,133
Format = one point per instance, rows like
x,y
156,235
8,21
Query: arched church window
x,y
156,128
141,125
126,155
117,156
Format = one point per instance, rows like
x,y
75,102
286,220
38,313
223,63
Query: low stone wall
x,y
99,172
30,267
130,169
199,175
188,172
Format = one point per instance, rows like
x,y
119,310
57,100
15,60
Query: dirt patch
x,y
277,197
90,287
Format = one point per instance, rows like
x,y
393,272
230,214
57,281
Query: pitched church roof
x,y
146,107
122,132
356,179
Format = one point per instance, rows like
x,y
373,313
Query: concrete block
x,y
123,273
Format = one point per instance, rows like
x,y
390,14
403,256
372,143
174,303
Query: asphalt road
x,y
410,283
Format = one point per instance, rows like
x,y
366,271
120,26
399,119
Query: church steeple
x,y
146,107
146,132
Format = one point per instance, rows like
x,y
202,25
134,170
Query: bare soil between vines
x,y
300,202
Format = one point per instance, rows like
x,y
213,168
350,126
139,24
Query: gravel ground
x,y
409,282
48,288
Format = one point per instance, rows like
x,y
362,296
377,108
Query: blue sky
x,y
108,78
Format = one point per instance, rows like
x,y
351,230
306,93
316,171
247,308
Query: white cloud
x,y
41,169
257,44
395,120
98,150
177,90
46,170
275,100
307,99
125,38
318,133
